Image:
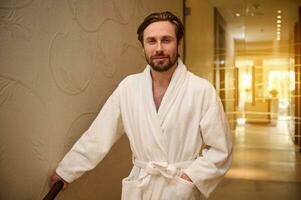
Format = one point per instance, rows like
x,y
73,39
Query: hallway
x,y
265,165
256,72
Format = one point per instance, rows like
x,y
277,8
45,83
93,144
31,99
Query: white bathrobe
x,y
164,143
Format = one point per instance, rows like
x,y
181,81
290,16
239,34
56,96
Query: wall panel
x,y
59,62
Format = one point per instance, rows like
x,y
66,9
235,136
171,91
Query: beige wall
x,y
200,38
59,61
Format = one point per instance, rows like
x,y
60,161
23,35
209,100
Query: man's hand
x,y
55,177
184,176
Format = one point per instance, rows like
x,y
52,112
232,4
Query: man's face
x,y
160,45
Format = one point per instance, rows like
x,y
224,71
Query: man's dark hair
x,y
163,16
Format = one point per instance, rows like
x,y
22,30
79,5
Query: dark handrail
x,y
56,188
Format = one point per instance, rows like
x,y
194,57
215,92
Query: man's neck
x,y
162,79
160,82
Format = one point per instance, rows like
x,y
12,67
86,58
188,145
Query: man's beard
x,y
162,67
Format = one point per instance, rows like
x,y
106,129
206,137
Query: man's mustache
x,y
159,56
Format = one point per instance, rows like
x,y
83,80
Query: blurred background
x,y
61,59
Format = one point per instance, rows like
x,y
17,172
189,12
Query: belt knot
x,y
162,168
158,168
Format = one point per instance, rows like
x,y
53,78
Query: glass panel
x,y
263,83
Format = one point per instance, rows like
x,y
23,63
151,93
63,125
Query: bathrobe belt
x,y
159,168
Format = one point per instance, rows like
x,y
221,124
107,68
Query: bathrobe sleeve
x,y
95,143
208,169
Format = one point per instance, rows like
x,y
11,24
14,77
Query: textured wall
x,y
59,61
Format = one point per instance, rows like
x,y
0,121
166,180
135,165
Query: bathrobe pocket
x,y
184,189
180,189
130,189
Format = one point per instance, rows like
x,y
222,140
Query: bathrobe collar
x,y
171,93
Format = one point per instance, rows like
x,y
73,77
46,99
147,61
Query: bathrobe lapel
x,y
151,111
172,91
158,118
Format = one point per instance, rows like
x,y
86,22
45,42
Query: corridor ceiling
x,y
256,21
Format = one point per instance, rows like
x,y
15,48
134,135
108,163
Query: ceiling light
x,y
278,21
278,25
279,17
278,38
278,32
278,29
279,11
241,120
237,14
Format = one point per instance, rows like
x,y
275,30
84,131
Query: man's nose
x,y
159,47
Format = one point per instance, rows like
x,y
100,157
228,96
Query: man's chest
x,y
158,94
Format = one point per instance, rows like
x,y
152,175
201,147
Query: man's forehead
x,y
160,28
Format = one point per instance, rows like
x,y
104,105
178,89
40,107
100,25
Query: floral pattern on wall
x,y
59,62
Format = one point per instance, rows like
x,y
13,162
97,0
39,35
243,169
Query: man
x,y
168,114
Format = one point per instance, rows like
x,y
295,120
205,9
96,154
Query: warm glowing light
x,y
274,62
279,11
278,32
244,63
281,81
245,84
278,29
278,38
278,21
279,78
279,17
241,120
279,25
237,14
283,118
247,81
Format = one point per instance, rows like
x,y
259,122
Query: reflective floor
x,y
265,166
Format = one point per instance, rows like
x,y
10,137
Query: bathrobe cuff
x,y
68,177
204,186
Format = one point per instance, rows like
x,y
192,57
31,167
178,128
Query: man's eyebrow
x,y
150,38
164,37
167,37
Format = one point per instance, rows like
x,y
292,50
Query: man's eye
x,y
165,40
151,41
